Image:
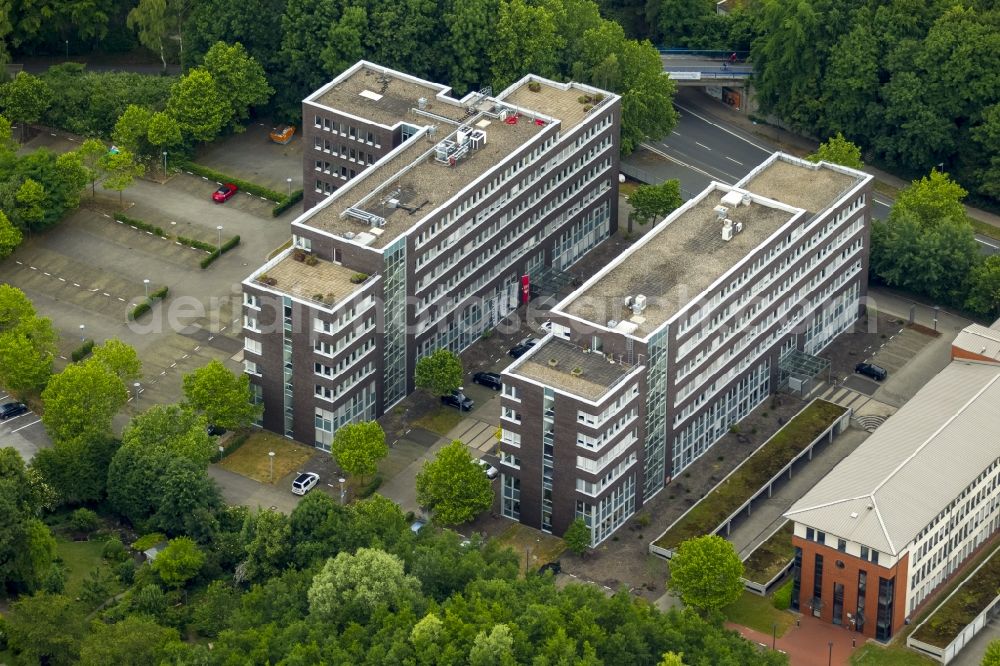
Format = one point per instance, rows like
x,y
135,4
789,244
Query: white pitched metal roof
x,y
914,465
979,339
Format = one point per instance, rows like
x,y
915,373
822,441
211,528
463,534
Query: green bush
x,y
196,244
83,351
372,486
220,177
139,310
84,520
159,294
782,598
207,261
286,203
139,224
234,442
147,541
230,244
125,571
114,550
358,278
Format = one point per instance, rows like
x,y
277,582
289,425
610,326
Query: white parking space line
x,y
980,240
732,160
26,426
703,145
882,203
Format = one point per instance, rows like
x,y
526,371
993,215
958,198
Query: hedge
x,y
286,203
230,244
235,442
159,294
139,310
216,253
147,541
370,489
139,224
220,177
207,261
82,351
196,244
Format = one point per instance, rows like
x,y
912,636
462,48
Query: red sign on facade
x,y
525,288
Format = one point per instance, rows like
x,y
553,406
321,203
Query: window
x,y
864,552
810,534
252,346
842,545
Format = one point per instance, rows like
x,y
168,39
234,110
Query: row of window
x,y
325,167
609,412
346,152
344,129
595,488
345,386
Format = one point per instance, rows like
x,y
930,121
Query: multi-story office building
x,y
976,342
900,514
426,216
654,358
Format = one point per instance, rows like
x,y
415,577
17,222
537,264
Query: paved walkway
x,y
239,489
811,643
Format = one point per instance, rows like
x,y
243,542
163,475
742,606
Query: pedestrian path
x,y
867,412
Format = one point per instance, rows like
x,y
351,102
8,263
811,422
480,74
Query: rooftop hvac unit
x,y
721,211
732,198
628,301
747,198
422,103
639,304
392,203
612,323
477,139
727,230
739,227
349,235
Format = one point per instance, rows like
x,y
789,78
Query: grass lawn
x,y
885,188
628,187
758,613
753,473
985,228
79,558
771,556
893,655
251,459
440,420
543,547
952,616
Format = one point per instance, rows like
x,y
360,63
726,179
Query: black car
x,y
520,349
876,372
458,400
12,409
554,567
489,379
215,431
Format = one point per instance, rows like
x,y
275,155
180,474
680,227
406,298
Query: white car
x,y
491,471
304,482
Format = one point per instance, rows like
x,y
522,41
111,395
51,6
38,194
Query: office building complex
x,y
893,521
426,218
653,359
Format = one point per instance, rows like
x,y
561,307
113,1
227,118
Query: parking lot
x,y
24,432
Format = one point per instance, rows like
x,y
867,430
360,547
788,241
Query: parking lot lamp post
x,y
289,181
67,49
136,387
270,454
145,284
343,490
83,336
164,164
774,634
829,661
220,237
937,309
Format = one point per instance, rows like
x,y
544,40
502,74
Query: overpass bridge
x,y
706,68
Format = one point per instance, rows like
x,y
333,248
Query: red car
x,y
224,193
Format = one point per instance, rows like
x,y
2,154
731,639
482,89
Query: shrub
x,y
587,107
83,351
358,278
139,224
159,294
534,86
147,541
139,310
220,177
311,260
196,244
84,520
230,244
207,261
286,203
782,598
125,572
583,99
114,550
298,254
372,486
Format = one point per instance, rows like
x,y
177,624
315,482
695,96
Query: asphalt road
x,y
702,149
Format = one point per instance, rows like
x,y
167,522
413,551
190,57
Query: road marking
x,y
46,274
26,426
882,203
703,145
732,160
121,299
675,133
33,268
19,263
677,161
185,356
105,293
727,131
75,284
174,364
197,348
995,247
62,279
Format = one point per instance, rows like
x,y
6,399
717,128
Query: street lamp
x,y
145,284
936,310
343,491
67,49
83,336
829,661
219,228
271,456
774,634
289,181
164,164
136,387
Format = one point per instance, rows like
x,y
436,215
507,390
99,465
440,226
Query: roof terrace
x,y
323,282
675,263
569,103
565,366
388,199
813,187
387,97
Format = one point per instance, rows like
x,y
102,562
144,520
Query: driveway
x,y
240,490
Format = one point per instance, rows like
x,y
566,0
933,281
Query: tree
x,y
164,133
26,360
305,32
705,572
320,527
672,659
132,130
27,548
493,649
470,23
188,500
992,656
45,628
984,287
454,486
651,202
7,144
118,357
239,78
266,535
357,447
577,537
134,640
31,200
25,99
197,106
10,237
179,562
439,373
380,519
133,482
221,396
931,199
151,20
81,401
121,169
91,153
176,429
838,150
15,308
344,47
526,40
356,585
77,469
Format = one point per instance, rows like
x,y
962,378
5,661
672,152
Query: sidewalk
x,y
794,143
810,643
